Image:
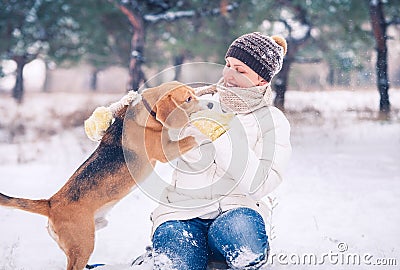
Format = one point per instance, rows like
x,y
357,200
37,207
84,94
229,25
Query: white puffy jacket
x,y
236,170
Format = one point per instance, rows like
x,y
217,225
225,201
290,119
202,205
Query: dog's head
x,y
175,104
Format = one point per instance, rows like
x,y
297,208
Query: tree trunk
x,y
47,80
178,61
293,45
136,75
331,76
282,78
379,26
280,85
18,91
93,80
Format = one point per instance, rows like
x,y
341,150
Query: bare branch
x,y
300,14
302,60
169,16
176,15
287,26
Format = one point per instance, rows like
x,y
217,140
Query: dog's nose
x,y
206,105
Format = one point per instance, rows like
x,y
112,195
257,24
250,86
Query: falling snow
x,y
341,186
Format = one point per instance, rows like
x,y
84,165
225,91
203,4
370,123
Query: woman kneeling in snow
x,y
213,210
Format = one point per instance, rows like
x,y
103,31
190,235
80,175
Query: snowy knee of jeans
x,y
169,260
244,220
245,258
163,262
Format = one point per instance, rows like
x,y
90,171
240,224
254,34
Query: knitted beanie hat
x,y
261,53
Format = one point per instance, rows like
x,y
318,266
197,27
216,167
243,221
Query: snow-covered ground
x,y
339,198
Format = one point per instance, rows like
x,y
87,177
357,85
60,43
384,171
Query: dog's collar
x,y
148,108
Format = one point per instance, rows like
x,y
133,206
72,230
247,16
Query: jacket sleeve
x,y
259,171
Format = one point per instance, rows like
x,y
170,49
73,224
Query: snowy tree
x,y
142,14
62,31
105,36
29,29
316,31
334,30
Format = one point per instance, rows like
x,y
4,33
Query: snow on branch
x,y
303,60
175,15
169,16
374,2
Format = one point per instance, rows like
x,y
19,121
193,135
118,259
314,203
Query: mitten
x,y
102,117
97,124
211,123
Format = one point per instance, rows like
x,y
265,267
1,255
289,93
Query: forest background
x,y
339,88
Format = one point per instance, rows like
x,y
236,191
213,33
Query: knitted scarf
x,y
240,100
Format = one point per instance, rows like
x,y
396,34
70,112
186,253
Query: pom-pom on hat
x,y
261,53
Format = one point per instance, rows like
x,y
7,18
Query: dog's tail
x,y
40,207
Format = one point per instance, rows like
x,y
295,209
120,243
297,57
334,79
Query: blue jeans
x,y
237,237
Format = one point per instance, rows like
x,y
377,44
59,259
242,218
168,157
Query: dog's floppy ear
x,y
169,113
164,107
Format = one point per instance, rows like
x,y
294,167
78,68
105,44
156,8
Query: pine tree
x,y
33,28
144,14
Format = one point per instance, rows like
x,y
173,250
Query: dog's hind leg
x,y
78,253
77,241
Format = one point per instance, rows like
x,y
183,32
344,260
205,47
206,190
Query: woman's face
x,y
238,74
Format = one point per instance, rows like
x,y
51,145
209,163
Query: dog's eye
x,y
188,99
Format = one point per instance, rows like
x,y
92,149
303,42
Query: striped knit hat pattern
x,y
263,54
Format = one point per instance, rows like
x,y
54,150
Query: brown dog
x,y
126,155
